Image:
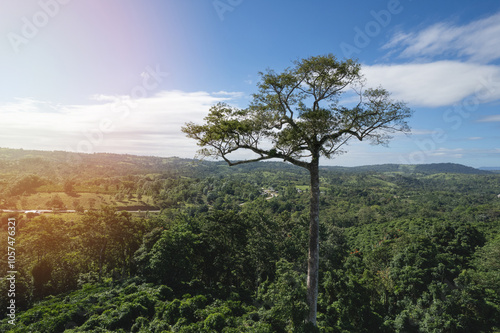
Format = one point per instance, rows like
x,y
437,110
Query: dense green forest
x,y
403,248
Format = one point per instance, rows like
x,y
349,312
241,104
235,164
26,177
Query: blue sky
x,y
123,76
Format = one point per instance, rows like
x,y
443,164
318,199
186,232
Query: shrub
x,y
215,321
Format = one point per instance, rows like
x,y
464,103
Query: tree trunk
x,y
313,258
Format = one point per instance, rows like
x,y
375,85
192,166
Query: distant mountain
x,y
493,169
60,164
417,168
448,168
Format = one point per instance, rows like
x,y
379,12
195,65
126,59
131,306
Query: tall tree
x,y
296,116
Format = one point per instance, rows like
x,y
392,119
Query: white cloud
x,y
116,124
422,132
438,83
446,152
478,41
430,80
229,93
490,119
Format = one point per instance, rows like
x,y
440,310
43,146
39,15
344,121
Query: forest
x,y
176,245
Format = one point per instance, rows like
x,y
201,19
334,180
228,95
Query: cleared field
x,y
82,200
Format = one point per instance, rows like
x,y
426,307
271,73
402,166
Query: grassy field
x,y
84,200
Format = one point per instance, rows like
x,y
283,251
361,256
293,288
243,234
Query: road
x,y
44,211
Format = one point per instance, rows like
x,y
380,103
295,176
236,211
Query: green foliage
x,y
26,184
55,202
215,322
285,298
172,258
400,252
109,239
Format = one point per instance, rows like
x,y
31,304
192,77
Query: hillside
x,y
418,168
403,249
67,164
38,180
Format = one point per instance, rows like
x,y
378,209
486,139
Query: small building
x,y
32,213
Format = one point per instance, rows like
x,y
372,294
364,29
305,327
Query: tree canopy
x,y
297,115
